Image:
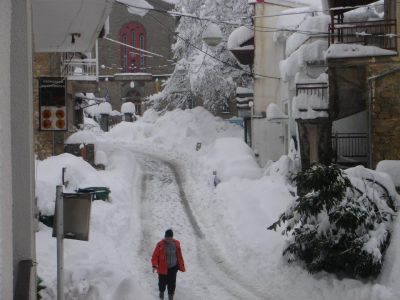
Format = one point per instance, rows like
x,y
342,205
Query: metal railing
x,y
80,67
381,33
76,68
350,145
319,88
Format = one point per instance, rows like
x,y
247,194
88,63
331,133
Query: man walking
x,y
167,259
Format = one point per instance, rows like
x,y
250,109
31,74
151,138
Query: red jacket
x,y
159,259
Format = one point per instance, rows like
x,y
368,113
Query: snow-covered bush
x,y
335,226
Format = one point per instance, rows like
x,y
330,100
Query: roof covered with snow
x,y
356,50
239,36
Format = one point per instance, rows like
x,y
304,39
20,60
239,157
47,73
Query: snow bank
x,y
392,168
79,174
231,158
104,267
180,129
81,137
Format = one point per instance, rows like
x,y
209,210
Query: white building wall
x,y
6,257
22,137
269,139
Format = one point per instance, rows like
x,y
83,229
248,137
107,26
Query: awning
x,y
68,25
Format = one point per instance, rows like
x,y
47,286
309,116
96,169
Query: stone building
x,y
363,66
128,75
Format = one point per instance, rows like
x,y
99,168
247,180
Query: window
x,y
133,34
125,54
141,40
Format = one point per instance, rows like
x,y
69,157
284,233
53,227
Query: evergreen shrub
x,y
334,226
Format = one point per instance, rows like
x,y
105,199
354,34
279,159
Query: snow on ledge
x,y
128,108
239,36
275,113
309,107
355,50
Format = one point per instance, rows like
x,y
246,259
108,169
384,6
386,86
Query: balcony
x,y
381,33
80,69
319,89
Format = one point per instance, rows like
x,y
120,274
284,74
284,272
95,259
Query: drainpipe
x,y
97,60
371,96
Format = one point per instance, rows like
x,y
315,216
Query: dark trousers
x,y
168,281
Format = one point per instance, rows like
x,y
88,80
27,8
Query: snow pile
x,y
284,167
104,267
128,108
372,12
239,36
355,50
289,21
137,7
311,27
377,179
81,137
392,168
231,158
180,129
105,108
78,174
91,108
100,158
274,112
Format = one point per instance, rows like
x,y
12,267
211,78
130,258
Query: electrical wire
x,y
262,16
212,56
252,27
137,49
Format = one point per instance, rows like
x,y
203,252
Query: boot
x,y
170,296
161,295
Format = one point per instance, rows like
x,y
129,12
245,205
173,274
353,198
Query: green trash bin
x,y
99,193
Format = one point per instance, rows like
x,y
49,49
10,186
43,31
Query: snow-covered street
x,y
159,181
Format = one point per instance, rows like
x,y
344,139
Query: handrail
x,y
379,33
351,145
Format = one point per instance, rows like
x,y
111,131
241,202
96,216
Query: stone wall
x,y
44,64
159,39
385,113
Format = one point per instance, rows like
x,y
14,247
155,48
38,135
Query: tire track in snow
x,y
208,259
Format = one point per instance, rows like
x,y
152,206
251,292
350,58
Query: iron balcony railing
x,y
79,69
319,88
350,145
381,33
